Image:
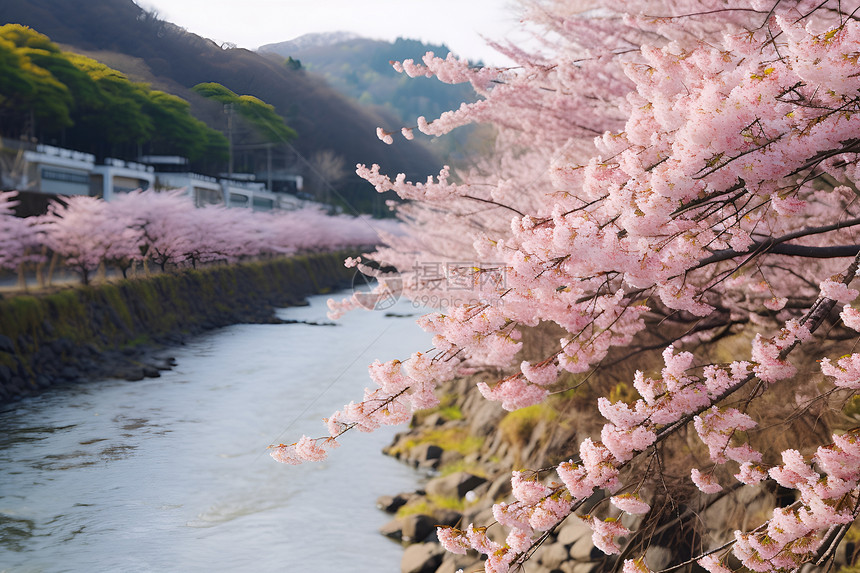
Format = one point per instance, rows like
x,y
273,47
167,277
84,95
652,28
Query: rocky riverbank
x,y
468,447
120,329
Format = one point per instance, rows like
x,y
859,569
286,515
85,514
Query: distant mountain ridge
x,y
308,41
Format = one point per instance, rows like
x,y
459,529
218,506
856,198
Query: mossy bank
x,y
111,329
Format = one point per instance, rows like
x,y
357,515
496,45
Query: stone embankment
x,y
119,329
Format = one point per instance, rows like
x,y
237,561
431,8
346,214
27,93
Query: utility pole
x,y
269,166
228,109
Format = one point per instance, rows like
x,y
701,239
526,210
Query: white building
x,y
254,195
118,176
55,170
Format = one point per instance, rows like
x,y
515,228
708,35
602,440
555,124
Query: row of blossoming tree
x,y
166,230
667,176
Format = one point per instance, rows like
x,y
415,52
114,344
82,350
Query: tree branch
x,y
774,245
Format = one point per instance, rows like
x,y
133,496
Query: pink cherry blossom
x,y
526,490
630,503
606,534
713,564
851,317
837,291
705,482
453,540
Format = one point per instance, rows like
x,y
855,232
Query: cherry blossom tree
x,y
11,250
163,221
216,234
87,232
668,176
313,229
166,229
19,238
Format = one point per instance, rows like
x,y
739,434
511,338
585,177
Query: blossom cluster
x,y
19,238
402,388
827,499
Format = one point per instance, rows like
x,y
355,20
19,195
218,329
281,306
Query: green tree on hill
x,y
258,113
29,92
177,132
92,107
116,115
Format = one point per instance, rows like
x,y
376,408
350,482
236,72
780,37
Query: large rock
x,y
397,447
455,485
451,563
131,374
417,527
501,487
484,416
583,549
393,529
573,530
553,555
391,503
658,557
151,371
447,516
426,455
422,558
577,567
450,457
6,344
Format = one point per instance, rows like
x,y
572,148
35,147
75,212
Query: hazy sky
x,y
252,23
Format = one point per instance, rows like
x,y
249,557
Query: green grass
x,y
451,413
517,426
447,409
430,504
463,466
20,315
449,439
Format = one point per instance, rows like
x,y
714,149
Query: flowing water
x,y
172,474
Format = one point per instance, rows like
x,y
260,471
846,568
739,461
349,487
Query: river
x,y
172,474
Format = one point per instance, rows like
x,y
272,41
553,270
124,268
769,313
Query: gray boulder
x,y
424,453
552,556
455,485
393,529
391,503
572,530
451,563
422,558
6,344
417,527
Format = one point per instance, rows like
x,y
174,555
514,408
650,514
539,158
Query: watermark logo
x,y
431,284
380,293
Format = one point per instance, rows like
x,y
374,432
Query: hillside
x,y
146,48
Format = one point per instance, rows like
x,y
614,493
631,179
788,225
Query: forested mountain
x,y
360,69
145,48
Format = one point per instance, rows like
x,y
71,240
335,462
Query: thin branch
x,y
473,198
